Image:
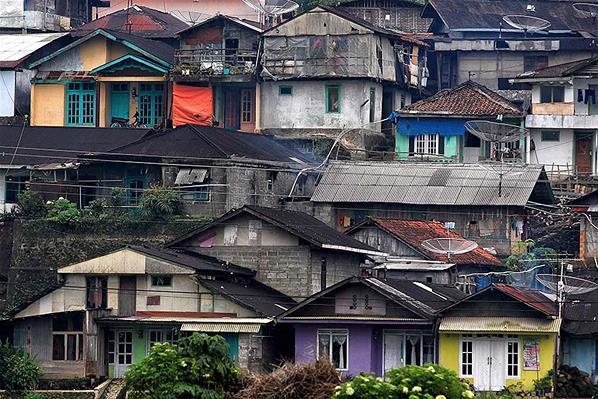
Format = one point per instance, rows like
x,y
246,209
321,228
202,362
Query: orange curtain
x,y
192,105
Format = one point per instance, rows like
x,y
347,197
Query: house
x,y
138,20
110,310
401,15
370,325
409,259
482,206
40,158
102,78
326,72
214,74
473,41
433,128
290,251
586,207
46,15
563,116
16,53
500,336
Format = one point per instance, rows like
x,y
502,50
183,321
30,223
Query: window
x,y
333,104
169,335
323,273
246,106
67,337
161,281
14,186
551,135
403,101
333,345
134,187
533,62
372,104
151,104
97,292
272,175
466,358
110,341
426,144
513,358
196,194
552,94
81,104
285,90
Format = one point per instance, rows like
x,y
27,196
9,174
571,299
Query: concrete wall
x,y
48,105
551,153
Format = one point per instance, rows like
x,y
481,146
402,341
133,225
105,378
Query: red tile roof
x,y
468,99
413,232
530,297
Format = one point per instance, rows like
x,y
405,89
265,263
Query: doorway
x,y
393,351
583,152
119,101
127,293
124,353
232,109
489,361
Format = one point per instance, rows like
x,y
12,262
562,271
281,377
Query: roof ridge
x,y
482,89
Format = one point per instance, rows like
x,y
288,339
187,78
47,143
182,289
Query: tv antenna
x,y
526,23
449,246
589,10
270,9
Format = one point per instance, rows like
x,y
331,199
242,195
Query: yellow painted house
x,y
103,78
500,336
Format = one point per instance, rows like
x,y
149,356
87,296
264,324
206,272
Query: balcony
x,y
201,62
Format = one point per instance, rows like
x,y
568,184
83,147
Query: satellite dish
x,y
589,10
272,8
495,132
190,17
526,23
449,246
566,284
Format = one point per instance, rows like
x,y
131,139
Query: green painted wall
x,y
139,345
402,146
451,146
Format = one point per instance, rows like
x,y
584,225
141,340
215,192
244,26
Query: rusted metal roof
x,y
530,297
498,324
559,70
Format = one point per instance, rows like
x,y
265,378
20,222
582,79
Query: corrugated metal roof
x,y
498,324
414,265
16,48
430,184
222,328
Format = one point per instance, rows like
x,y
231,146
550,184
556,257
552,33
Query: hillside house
x,y
401,15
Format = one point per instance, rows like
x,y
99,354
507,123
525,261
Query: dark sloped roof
x,y
264,300
559,70
413,232
436,296
488,14
194,260
580,314
41,145
467,99
144,21
299,224
192,141
253,25
159,49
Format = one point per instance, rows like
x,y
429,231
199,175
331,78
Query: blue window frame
x,y
151,104
134,186
197,194
81,104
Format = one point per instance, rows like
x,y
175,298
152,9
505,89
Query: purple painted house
x,y
370,325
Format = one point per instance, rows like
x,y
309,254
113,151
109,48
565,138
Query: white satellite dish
x,y
526,23
190,17
449,246
589,10
566,284
272,8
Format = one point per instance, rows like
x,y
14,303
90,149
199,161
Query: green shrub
x,y
428,382
30,205
62,211
159,203
35,395
198,367
18,371
366,387
117,197
544,384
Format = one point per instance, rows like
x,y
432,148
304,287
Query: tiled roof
x,y
468,99
413,232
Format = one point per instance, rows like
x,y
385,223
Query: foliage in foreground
x,y
198,367
18,371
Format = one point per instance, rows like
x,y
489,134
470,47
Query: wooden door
x,y
583,153
119,101
232,109
127,295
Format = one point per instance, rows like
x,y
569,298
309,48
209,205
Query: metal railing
x,y
216,61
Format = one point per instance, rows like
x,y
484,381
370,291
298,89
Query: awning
x,y
440,126
190,176
498,324
226,326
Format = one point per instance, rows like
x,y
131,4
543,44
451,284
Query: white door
x,y
393,351
497,365
489,364
124,352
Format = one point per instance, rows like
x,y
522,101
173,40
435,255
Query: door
x,y
497,365
127,295
583,152
124,352
489,364
232,109
119,101
393,351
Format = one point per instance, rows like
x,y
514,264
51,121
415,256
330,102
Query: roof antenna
x,y
128,23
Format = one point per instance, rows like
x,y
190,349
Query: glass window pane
x,y
58,351
413,350
339,351
71,352
324,345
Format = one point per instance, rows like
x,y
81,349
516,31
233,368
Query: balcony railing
x,y
216,61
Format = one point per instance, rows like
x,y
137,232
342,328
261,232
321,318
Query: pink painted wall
x,y
209,7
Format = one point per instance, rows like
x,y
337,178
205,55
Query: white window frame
x,y
462,340
163,332
330,333
158,276
78,345
507,364
429,144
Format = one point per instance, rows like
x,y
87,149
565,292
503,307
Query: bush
x,y
117,197
198,367
62,211
428,382
30,205
366,387
18,371
158,203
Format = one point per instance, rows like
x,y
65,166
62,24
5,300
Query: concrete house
x,y
215,74
432,128
564,116
326,71
473,42
482,207
109,311
370,325
586,207
291,251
